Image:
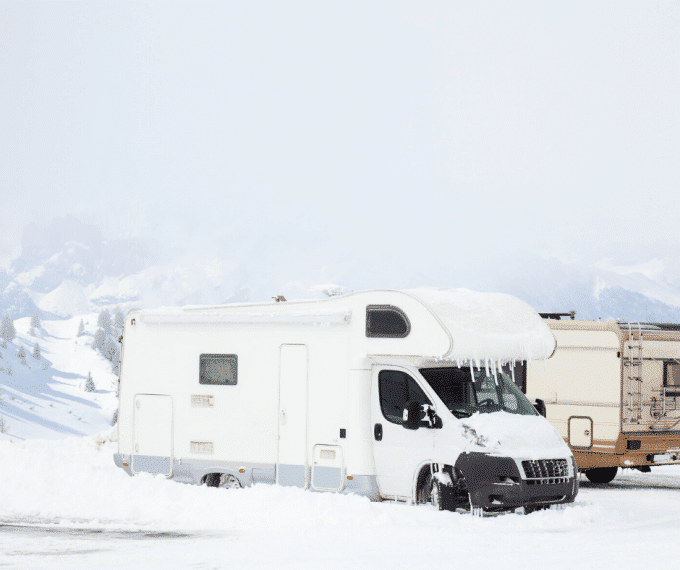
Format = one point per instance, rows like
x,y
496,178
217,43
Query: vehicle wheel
x,y
601,474
222,480
229,482
429,492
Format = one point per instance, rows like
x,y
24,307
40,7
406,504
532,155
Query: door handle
x,y
377,432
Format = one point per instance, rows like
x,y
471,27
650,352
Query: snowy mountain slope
x,y
45,398
68,268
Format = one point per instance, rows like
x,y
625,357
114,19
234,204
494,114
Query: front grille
x,y
546,471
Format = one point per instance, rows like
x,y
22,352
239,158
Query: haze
x,y
393,141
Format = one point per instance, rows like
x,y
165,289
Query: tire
x,y
223,480
429,492
601,475
212,479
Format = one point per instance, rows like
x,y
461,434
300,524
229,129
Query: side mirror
x,y
413,414
540,407
417,415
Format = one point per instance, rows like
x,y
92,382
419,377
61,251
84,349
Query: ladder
x,y
632,363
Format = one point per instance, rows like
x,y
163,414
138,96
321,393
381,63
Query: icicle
x,y
512,371
486,366
472,371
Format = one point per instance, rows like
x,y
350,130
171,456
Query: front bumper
x,y
500,483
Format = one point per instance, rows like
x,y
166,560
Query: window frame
x,y
410,377
222,356
387,308
675,388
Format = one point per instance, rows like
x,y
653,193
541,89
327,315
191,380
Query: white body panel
x,y
304,392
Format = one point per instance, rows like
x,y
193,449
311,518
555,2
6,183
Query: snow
x,y
525,437
66,300
319,317
489,326
45,399
88,513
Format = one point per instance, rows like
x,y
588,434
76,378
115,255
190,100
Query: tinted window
x,y
395,389
672,374
466,391
672,380
219,369
386,321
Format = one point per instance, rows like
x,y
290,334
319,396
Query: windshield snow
x,y
466,391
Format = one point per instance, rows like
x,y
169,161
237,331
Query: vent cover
x,y
202,401
206,447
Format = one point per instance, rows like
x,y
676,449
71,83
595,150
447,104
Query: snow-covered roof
x,y
480,326
488,326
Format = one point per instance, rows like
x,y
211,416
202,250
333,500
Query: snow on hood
x,y
489,326
509,435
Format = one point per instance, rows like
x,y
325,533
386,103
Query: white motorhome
x,y
399,395
612,390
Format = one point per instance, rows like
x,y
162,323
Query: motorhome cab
x,y
612,390
399,395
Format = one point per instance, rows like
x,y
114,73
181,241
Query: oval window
x,y
386,321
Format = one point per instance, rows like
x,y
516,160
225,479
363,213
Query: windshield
x,y
464,395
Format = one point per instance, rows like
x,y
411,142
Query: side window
x,y
672,379
218,369
395,388
386,321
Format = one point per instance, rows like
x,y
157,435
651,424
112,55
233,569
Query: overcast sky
x,y
379,136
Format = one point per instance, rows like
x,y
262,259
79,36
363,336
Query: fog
x,y
398,141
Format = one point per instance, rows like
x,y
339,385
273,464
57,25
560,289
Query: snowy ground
x,y
45,398
63,504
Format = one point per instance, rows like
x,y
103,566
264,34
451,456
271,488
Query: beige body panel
x,y
597,376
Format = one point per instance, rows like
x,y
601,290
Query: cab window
x,y
395,389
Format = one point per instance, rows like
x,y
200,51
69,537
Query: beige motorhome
x,y
612,390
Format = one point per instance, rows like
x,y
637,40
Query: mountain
x,y
68,268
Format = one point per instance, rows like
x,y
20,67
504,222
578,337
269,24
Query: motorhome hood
x,y
488,326
508,435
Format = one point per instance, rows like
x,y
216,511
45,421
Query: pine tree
x,y
114,419
7,330
110,349
115,360
81,328
21,353
118,318
99,340
36,352
35,321
31,331
4,426
89,383
104,322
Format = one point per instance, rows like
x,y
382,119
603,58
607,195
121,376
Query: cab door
x,y
397,451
